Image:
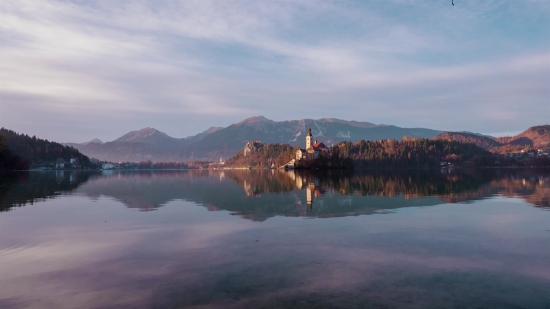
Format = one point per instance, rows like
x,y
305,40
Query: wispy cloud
x,y
202,63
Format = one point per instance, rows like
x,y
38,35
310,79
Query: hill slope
x,y
478,140
36,150
536,137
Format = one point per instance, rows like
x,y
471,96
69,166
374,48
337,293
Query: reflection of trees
x,y
533,187
22,188
331,193
458,186
366,192
409,183
256,182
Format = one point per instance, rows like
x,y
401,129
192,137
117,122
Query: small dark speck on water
x,y
257,240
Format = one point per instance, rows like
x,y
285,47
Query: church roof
x,y
319,145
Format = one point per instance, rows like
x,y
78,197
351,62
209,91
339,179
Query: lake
x,y
275,239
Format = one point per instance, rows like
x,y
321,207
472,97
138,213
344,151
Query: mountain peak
x,y
254,121
359,124
537,136
540,130
95,140
148,131
212,130
139,135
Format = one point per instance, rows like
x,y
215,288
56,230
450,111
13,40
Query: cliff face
x,y
250,147
256,154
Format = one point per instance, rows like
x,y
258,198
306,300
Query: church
x,y
311,151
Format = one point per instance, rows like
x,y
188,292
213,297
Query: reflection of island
x,y
304,193
22,188
261,194
336,193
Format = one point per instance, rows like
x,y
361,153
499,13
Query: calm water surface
x,y
272,239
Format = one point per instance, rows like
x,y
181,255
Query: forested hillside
x,y
410,153
8,160
37,151
385,153
537,137
479,140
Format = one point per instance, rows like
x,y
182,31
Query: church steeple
x,y
308,137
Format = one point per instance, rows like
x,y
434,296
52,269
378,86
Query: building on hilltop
x,y
312,150
301,154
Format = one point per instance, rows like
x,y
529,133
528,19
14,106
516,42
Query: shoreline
x,y
302,169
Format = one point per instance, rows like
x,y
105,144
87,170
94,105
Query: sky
x,y
75,70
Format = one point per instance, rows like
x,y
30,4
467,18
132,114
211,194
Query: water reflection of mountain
x,y
21,188
261,194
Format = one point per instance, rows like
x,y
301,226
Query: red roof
x,y
319,145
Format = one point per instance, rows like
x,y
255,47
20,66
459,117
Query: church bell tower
x,y
308,137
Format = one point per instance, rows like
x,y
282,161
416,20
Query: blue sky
x,y
75,70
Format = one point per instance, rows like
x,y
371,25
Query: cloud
x,y
144,63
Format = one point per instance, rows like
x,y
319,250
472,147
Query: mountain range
x,y
216,142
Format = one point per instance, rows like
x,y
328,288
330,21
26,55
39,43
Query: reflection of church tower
x,y
308,137
309,194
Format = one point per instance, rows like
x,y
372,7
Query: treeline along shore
x,y
407,153
23,152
